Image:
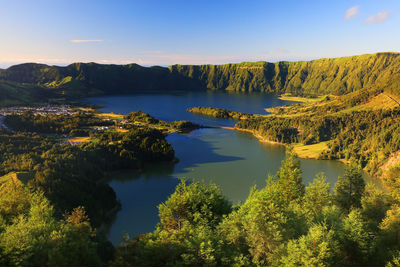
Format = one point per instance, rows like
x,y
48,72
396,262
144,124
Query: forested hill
x,y
324,76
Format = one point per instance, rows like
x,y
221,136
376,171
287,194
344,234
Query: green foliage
x,y
139,116
395,262
280,130
392,181
356,239
146,119
317,197
218,113
349,189
270,228
319,247
289,179
391,225
194,204
262,224
36,238
304,78
375,204
186,234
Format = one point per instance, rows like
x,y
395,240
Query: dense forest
x,y
305,78
283,224
53,193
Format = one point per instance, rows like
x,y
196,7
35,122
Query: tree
x,y
263,224
317,197
395,261
193,204
38,239
289,178
374,204
349,189
391,226
319,247
357,240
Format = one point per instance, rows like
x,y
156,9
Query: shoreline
x,y
257,135
264,140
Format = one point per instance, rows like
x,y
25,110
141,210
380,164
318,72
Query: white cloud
x,y
86,41
351,12
378,18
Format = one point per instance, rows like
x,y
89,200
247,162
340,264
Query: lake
x,y
235,161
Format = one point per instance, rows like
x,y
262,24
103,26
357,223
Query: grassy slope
x,y
310,151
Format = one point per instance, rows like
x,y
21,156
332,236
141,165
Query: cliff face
x,y
325,76
334,76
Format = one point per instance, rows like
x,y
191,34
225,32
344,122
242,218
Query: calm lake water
x,y
233,160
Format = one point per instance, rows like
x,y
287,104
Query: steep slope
x,y
334,76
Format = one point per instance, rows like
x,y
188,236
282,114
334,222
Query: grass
x,y
120,130
301,99
79,139
310,151
381,101
111,116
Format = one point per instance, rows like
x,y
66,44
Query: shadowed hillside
x,y
12,93
336,76
86,79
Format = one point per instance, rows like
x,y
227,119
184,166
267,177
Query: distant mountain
x,y
305,78
85,79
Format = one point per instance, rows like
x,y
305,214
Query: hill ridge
x,y
336,76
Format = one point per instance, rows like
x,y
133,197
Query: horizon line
x,y
65,64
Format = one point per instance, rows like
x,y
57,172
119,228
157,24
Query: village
x,y
41,110
117,120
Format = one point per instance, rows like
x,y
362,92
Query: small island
x,y
219,113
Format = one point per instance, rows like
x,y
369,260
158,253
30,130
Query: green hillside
x,y
304,78
334,76
12,93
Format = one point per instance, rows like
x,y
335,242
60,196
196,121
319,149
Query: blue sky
x,y
166,32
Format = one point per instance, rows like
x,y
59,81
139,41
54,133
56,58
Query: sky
x,y
167,32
